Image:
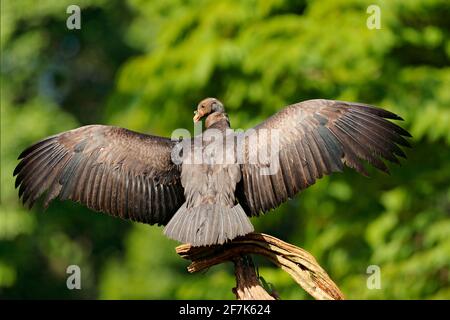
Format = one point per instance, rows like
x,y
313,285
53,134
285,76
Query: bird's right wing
x,y
315,138
109,169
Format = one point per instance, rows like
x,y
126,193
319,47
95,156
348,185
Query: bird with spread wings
x,y
134,176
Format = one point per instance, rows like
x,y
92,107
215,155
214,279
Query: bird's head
x,y
206,107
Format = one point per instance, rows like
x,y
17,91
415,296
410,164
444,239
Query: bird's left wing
x,y
108,169
311,139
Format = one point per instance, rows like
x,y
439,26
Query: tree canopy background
x,y
144,65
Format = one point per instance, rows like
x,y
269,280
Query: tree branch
x,y
248,286
298,263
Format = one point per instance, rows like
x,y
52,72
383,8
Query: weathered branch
x,y
248,286
300,264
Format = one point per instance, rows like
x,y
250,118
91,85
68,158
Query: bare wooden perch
x,y
248,286
298,263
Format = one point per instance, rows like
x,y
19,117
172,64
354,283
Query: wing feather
x,y
109,169
318,137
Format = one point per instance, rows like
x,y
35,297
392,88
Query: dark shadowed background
x,y
144,65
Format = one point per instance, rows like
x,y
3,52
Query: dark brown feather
x,y
108,169
320,137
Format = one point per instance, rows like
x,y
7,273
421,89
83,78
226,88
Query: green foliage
x,y
145,64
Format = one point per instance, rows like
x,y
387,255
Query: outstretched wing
x,y
316,138
109,169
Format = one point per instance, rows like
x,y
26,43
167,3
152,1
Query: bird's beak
x,y
197,116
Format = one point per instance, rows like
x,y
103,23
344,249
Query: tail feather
x,y
208,224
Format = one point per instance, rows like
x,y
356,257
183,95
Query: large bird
x,y
202,199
